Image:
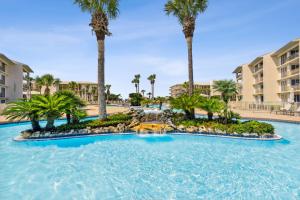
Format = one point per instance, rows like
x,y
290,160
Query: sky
x,y
53,36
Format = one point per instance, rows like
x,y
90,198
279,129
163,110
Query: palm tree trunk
x,y
50,124
101,80
190,64
210,116
35,125
152,89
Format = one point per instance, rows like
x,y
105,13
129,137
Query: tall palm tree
x,y
102,11
149,95
152,79
29,80
143,92
135,82
39,83
227,89
187,11
138,77
48,81
23,110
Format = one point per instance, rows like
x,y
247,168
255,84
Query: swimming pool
x,y
150,167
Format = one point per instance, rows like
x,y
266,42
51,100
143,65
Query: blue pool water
x,y
150,167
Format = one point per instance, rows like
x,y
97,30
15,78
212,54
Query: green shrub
x,y
119,116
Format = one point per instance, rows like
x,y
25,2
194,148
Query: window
x,y
293,67
295,82
2,67
261,98
2,93
297,98
2,79
283,59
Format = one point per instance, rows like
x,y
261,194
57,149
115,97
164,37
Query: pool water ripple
x,y
150,167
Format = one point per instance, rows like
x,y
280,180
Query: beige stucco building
x,y
205,88
12,81
271,79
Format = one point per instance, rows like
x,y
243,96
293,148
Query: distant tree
x,y
135,99
143,92
48,81
152,79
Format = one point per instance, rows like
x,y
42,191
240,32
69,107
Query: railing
x,y
295,87
258,69
284,74
259,80
295,71
258,91
2,82
264,107
294,55
285,88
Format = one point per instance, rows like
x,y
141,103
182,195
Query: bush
x,y
119,116
135,99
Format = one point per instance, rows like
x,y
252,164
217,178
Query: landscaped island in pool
x,y
138,121
149,166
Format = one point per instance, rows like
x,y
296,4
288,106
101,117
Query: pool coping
x,y
19,139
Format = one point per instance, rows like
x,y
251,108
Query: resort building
x,y
206,89
271,79
85,90
12,79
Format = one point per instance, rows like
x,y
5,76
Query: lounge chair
x,y
285,110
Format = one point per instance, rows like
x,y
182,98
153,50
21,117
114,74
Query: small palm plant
x,y
51,107
107,88
24,109
102,11
152,79
211,106
187,104
75,104
73,86
227,89
187,12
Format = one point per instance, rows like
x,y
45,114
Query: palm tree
x,y
29,80
39,83
149,95
187,11
187,104
51,107
138,77
152,78
73,86
48,81
143,92
102,11
211,106
94,93
135,82
23,110
227,89
74,104
107,88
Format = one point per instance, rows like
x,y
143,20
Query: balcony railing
x,y
295,71
285,88
259,80
2,82
295,87
294,55
259,91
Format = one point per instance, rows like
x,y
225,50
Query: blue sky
x,y
54,37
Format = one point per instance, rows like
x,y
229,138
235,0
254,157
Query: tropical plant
x,y
135,99
39,83
29,81
73,86
48,80
149,95
187,11
187,104
73,108
211,106
102,11
50,107
227,89
24,109
152,79
143,92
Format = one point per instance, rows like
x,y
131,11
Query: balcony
x,y
259,80
292,56
295,87
295,71
2,82
259,91
285,88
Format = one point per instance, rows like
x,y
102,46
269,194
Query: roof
x,y
239,69
8,61
256,60
286,47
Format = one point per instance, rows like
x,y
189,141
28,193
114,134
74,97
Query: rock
x,y
192,129
181,128
134,123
